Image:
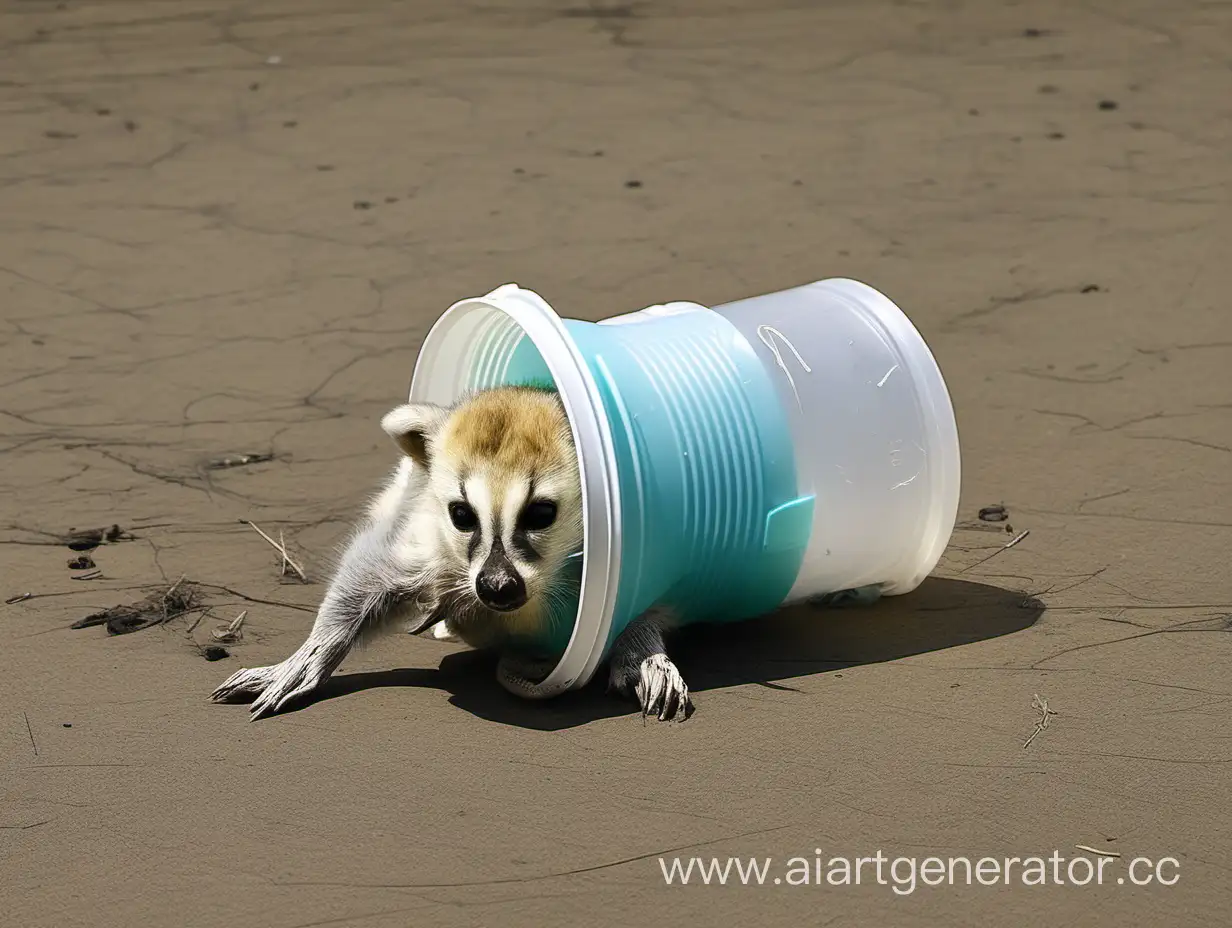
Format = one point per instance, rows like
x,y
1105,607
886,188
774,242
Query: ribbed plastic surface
x,y
704,458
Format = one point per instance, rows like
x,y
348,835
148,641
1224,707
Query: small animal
x,y
468,539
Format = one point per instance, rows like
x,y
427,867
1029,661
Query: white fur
x,y
406,560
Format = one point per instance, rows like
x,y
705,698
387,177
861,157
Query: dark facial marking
x,y
521,544
499,586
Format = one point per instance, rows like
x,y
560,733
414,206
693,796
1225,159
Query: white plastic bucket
x,y
768,450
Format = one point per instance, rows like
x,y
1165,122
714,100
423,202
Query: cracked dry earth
x,y
224,229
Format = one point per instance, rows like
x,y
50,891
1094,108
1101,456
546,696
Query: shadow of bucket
x,y
780,448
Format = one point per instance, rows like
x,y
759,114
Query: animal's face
x,y
503,484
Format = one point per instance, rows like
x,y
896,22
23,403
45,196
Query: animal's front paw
x,y
273,688
658,687
245,684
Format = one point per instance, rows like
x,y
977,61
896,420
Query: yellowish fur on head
x,y
511,429
499,453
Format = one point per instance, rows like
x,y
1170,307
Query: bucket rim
x,y
597,470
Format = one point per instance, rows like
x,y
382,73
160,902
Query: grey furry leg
x,y
640,668
365,590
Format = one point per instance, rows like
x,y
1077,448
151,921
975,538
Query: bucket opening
x,y
511,337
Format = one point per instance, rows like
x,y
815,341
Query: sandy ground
x,y
224,229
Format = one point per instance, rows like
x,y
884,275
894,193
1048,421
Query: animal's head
x,y
504,490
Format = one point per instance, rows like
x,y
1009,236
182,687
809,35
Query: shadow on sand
x,y
794,642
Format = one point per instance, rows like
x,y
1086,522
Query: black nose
x,y
500,588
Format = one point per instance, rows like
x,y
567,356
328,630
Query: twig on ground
x,y
281,549
1095,850
231,631
170,592
223,462
30,732
1040,705
1005,547
257,599
156,607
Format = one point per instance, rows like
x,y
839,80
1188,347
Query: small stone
x,y
215,653
1108,104
633,184
1091,288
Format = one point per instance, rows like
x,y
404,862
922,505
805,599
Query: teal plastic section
x,y
711,520
786,524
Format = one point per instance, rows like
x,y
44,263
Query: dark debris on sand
x,y
227,461
86,539
160,605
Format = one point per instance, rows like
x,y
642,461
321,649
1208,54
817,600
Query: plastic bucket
x,y
732,459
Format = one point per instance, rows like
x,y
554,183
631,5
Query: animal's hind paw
x,y
659,689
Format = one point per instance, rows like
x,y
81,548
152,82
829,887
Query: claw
x,y
661,690
248,681
671,698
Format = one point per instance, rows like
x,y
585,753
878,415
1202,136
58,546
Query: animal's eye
x,y
538,515
463,517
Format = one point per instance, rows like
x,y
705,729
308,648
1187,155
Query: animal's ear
x,y
412,427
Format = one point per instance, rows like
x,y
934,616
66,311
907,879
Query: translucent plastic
x,y
873,428
782,447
